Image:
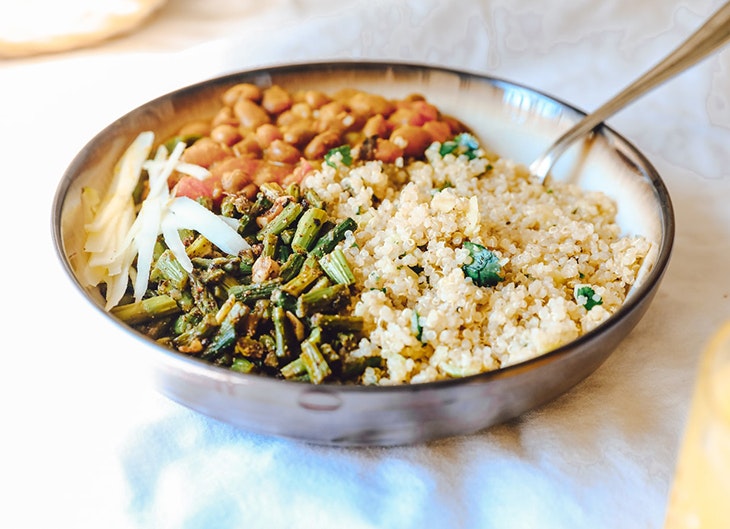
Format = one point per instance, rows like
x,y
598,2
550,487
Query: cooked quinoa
x,y
564,266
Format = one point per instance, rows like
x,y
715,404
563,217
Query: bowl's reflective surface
x,y
514,121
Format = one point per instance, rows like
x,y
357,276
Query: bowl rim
x,y
197,366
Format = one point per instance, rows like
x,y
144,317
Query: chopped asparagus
x,y
226,335
315,364
308,228
327,299
289,214
169,269
255,291
329,240
146,310
309,272
337,268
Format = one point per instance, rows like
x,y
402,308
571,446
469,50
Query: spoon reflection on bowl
x,y
708,38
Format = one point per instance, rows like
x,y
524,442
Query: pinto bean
x,y
226,134
248,147
248,165
439,130
241,91
280,151
205,152
302,110
299,133
387,151
235,180
225,116
322,143
267,133
368,105
377,126
414,139
331,115
249,191
250,114
276,100
316,99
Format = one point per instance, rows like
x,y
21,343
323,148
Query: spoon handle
x,y
710,36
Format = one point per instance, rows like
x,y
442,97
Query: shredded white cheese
x,y
115,237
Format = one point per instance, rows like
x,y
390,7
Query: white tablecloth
x,y
88,442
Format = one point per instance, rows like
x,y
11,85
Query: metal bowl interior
x,y
515,121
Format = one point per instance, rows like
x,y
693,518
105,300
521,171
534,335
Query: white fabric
x,y
88,442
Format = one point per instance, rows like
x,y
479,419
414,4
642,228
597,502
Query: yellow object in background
x,y
700,497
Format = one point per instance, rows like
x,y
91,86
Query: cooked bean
x,y
387,151
241,91
280,151
439,130
267,133
331,114
246,164
302,110
322,143
414,139
250,191
299,133
377,126
402,116
250,114
248,146
205,152
227,134
370,104
276,100
316,99
287,118
235,180
345,94
225,116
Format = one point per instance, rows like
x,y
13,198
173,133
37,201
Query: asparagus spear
x,y
337,268
315,364
329,240
294,369
336,322
146,310
283,346
242,365
226,335
167,268
307,275
289,214
327,299
255,291
308,228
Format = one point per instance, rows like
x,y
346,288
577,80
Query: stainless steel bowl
x,y
513,120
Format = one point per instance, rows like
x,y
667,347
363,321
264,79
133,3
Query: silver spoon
x,y
710,36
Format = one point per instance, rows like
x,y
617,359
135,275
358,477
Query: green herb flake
x,y
463,143
416,327
484,268
344,152
587,297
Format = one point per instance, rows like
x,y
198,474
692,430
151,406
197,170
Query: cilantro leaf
x,y
463,143
484,268
345,153
587,297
